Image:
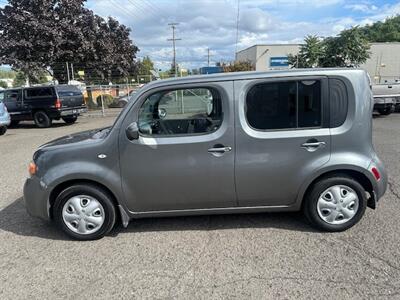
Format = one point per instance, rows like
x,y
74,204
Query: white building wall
x,y
384,63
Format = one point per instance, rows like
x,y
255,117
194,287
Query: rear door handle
x,y
313,145
220,150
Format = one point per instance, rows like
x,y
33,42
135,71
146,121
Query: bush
x,y
107,99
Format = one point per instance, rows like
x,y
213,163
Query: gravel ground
x,y
267,256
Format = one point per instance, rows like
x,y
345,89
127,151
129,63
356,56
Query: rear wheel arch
x,y
358,176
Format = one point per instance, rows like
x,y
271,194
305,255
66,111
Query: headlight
x,y
32,168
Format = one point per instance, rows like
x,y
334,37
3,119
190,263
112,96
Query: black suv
x,y
43,104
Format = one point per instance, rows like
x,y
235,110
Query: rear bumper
x,y
379,186
68,111
36,198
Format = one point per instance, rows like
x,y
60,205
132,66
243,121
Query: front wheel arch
x,y
62,186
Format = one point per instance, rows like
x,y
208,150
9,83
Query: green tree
x,y
239,66
349,49
3,84
38,34
145,66
20,79
310,53
5,73
386,31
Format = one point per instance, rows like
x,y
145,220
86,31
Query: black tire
x,y
14,123
312,196
42,120
70,119
386,111
3,130
94,191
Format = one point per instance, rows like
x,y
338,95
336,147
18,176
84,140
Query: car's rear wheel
x,y
335,203
386,111
70,119
14,123
84,212
42,120
3,130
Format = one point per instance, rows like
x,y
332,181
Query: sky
x,y
212,24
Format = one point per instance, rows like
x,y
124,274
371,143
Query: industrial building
x,y
383,64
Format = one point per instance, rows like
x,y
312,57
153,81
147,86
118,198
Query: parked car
x,y
43,104
386,98
4,117
122,101
276,141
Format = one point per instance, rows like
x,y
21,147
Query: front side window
x,y
1,96
284,105
181,112
38,92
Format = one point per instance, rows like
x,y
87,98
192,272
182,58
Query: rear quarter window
x,y
338,102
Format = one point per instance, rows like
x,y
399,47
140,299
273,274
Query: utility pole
x,y
208,57
174,39
68,72
72,70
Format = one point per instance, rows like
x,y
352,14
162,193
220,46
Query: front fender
x,y
85,171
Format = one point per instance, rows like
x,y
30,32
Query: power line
x,y
174,39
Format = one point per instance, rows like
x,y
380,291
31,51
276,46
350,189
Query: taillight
x,y
376,173
58,104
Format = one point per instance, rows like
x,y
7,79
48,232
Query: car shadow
x,y
15,219
29,125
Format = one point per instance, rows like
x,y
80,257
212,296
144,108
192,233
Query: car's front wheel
x,y
335,203
84,212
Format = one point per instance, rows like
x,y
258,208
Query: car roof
x,y
58,87
255,75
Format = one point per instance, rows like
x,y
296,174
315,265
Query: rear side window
x,y
1,96
338,102
39,92
284,105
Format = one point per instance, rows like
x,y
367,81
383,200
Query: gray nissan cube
x,y
218,144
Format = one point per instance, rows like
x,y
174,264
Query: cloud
x,y
365,8
212,24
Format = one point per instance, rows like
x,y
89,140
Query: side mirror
x,y
132,131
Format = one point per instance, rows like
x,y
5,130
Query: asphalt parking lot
x,y
262,256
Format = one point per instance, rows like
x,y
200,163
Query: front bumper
x,y
5,121
36,198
